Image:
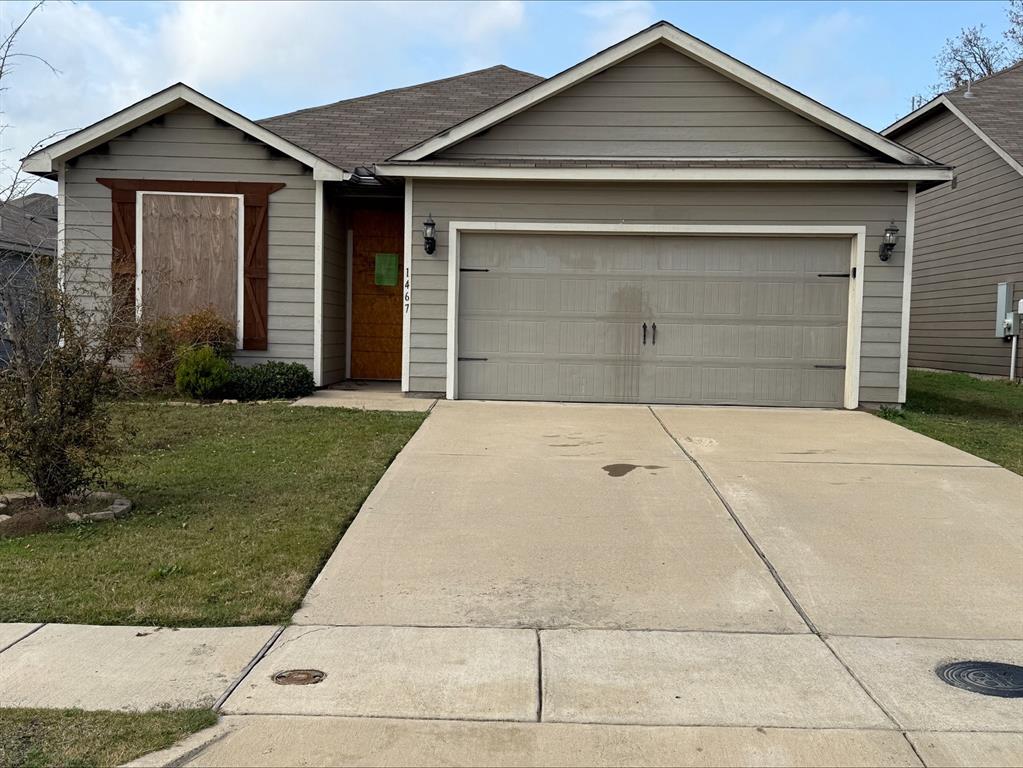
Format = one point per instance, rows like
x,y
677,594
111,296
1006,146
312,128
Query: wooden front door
x,y
376,298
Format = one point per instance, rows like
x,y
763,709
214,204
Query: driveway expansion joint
x,y
248,668
742,528
28,634
775,574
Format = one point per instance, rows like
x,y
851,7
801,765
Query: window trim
x,y
240,266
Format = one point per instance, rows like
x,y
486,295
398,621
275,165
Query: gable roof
x,y
29,224
369,129
665,33
46,160
993,111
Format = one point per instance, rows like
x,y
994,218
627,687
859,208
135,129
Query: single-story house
x,y
969,234
28,232
658,223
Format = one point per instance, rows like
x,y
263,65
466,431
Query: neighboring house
x,y
28,228
659,223
969,234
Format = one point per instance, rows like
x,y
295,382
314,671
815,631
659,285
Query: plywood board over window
x,y
189,254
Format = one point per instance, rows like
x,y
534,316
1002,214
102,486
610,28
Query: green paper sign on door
x,y
386,269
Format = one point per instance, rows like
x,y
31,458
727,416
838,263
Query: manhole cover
x,y
299,677
991,678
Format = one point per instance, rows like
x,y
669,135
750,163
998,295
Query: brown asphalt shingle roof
x,y
996,107
370,129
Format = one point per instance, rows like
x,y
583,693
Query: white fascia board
x,y
1012,162
46,160
944,101
937,101
692,47
896,173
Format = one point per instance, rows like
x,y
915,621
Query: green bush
x,y
268,381
162,342
200,372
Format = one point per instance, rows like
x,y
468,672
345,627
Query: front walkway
x,y
553,584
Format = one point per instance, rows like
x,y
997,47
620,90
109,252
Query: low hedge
x,y
268,381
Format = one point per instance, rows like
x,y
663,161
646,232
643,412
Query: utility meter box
x,y
1003,308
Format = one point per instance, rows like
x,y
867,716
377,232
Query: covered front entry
x,y
757,320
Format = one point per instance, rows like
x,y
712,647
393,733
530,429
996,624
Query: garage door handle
x,y
654,329
644,333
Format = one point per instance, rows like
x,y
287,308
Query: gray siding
x,y
335,278
868,205
190,144
658,103
968,239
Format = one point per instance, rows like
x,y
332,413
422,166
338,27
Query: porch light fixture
x,y
429,234
891,236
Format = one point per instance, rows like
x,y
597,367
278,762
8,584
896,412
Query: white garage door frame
x,y
857,235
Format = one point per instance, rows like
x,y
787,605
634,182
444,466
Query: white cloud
x,y
258,57
612,22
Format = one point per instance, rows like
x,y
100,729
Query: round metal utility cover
x,y
299,677
991,678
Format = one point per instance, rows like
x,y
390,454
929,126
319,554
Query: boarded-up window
x,y
190,250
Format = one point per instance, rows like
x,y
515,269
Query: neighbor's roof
x,y
994,110
29,224
370,129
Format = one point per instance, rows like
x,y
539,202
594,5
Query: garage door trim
x,y
857,234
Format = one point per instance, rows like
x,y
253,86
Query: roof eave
x,y
943,101
902,173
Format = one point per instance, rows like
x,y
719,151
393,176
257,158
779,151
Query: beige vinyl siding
x,y
869,205
189,144
658,103
335,277
968,239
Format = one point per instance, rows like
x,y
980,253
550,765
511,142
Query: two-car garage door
x,y
658,319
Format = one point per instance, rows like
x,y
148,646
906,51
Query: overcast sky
x,y
864,59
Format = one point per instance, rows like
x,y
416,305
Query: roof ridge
x,y
438,81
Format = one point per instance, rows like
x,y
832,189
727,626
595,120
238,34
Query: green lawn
x,y
45,737
984,418
236,510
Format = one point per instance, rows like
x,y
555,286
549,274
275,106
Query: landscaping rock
x,y
118,507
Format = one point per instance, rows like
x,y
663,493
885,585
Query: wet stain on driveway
x,y
621,470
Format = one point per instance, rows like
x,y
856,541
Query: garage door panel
x,y
775,342
578,338
626,297
739,319
525,337
579,295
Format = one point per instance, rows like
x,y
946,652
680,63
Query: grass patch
x,y
984,418
236,510
71,737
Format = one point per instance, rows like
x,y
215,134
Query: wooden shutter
x,y
255,274
256,251
122,256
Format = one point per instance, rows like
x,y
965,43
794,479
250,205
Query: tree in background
x,y
972,54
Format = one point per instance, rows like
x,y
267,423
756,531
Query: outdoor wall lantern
x,y
891,236
429,234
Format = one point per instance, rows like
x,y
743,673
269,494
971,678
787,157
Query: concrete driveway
x,y
556,584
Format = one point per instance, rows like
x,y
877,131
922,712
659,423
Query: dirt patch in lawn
x,y
22,514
